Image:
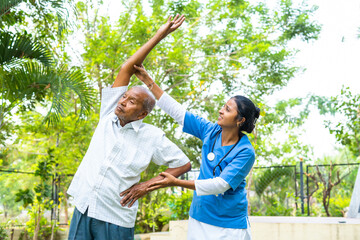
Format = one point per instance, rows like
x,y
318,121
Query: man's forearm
x,y
127,69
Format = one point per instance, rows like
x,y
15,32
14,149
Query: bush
x,y
3,233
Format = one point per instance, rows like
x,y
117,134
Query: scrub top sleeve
x,y
237,170
197,126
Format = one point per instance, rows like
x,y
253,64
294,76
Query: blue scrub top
x,y
228,210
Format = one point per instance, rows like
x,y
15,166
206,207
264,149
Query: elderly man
x,y
121,148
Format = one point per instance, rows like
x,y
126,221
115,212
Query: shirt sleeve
x,y
211,186
237,170
197,126
172,107
109,99
168,154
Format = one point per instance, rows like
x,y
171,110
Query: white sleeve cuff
x,y
212,186
172,107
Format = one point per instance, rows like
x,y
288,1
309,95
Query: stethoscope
x,y
211,155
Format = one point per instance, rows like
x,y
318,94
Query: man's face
x,y
130,106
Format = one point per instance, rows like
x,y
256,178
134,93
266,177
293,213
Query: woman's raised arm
x,y
166,102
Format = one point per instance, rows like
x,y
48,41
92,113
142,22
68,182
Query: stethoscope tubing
x,y
212,151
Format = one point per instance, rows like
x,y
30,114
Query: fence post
x,y
302,186
307,190
296,191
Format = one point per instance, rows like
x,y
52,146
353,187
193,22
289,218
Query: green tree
x,y
30,71
224,48
346,127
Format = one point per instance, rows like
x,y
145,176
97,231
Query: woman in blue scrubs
x,y
219,206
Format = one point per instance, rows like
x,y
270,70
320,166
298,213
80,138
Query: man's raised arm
x,y
127,69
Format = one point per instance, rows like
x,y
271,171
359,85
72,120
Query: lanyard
x,y
211,155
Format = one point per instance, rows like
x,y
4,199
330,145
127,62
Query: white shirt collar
x,y
135,124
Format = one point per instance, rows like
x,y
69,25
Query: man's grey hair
x,y
149,101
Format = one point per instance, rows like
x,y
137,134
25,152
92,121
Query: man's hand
x,y
132,194
170,25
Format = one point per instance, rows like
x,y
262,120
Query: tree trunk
x,y
66,209
37,224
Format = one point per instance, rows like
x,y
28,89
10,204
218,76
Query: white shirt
x,y
114,160
177,111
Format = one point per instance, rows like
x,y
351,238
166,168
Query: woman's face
x,y
228,115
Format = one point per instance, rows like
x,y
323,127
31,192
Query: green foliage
x,y
3,233
271,174
14,47
338,205
180,205
347,107
224,48
159,207
26,196
6,5
28,72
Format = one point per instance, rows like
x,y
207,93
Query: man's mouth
x,y
119,108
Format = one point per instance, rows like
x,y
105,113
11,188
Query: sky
x,y
330,62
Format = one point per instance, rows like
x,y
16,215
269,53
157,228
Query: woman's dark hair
x,y
247,109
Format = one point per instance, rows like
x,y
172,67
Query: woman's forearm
x,y
190,184
153,87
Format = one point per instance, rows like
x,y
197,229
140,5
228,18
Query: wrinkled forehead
x,y
137,93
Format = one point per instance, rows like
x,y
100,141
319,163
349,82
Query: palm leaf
x,y
269,176
14,47
6,5
34,82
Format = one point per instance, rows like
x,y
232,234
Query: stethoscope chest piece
x,y
211,156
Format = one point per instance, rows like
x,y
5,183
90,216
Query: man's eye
x,y
132,102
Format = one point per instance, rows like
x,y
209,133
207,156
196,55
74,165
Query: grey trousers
x,y
83,227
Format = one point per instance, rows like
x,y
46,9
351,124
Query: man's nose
x,y
123,103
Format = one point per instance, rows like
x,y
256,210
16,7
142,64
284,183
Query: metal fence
x,y
289,190
298,190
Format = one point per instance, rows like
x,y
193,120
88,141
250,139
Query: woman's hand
x,y
169,180
142,75
170,25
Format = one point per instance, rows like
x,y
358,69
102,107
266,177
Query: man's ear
x,y
142,115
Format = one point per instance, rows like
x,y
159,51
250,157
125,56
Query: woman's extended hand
x,y
142,75
170,25
169,180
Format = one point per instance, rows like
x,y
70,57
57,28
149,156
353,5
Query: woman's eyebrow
x,y
226,105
